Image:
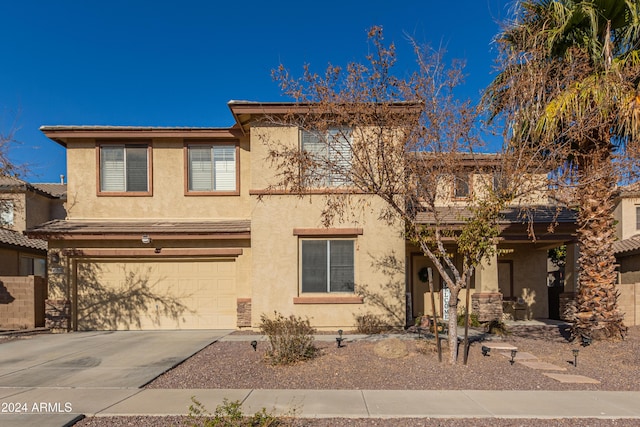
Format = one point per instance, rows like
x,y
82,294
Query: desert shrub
x,y
370,324
229,414
497,327
290,338
473,319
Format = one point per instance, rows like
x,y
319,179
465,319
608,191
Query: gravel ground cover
x,y
359,365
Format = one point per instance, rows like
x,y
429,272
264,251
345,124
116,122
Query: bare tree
x,y
368,133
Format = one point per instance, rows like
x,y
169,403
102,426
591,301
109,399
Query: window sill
x,y
328,300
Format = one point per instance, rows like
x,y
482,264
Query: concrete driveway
x,y
123,359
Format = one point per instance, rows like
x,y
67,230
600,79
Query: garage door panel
x,y
156,295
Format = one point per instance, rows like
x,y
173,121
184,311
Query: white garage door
x,y
176,294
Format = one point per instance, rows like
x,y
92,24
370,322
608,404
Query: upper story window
x,y
6,213
462,186
212,168
331,151
125,168
637,217
327,265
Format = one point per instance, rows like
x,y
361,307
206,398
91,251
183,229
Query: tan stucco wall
x,y
275,249
629,303
625,215
530,278
629,269
168,200
275,261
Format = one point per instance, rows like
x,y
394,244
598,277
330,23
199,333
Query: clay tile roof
x,y
539,214
166,227
14,238
627,245
53,190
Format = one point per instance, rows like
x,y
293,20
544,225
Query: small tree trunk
x,y
453,324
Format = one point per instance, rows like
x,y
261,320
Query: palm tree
x,y
568,85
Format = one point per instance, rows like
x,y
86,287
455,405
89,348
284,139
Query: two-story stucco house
x,y
627,250
179,228
22,206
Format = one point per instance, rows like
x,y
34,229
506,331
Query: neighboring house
x,y
627,251
178,228
22,206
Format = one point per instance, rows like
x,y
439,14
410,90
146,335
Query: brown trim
x,y
153,252
154,236
470,183
239,300
148,193
329,300
512,296
313,232
185,148
62,134
306,192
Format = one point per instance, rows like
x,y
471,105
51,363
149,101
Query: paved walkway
x,y
59,407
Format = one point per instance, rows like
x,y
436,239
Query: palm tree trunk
x,y
597,316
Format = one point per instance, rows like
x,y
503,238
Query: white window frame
x,y
332,149
116,176
328,268
218,173
7,214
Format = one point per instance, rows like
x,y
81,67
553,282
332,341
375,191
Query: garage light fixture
x,y
146,239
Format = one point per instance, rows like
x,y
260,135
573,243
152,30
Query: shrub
x,y
473,319
229,414
497,327
290,338
370,324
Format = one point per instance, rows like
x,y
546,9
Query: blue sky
x,y
178,63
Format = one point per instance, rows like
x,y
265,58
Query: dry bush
x,y
290,338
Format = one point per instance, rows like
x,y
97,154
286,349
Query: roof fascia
x,y
63,134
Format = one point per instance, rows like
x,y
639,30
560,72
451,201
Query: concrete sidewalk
x,y
63,406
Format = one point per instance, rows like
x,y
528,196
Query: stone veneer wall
x,y
22,301
487,306
244,312
566,299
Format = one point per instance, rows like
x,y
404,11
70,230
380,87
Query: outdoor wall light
x,y
254,344
55,258
339,339
485,350
513,356
575,357
146,239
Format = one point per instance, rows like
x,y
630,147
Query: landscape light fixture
x,y
575,357
485,350
339,339
513,356
254,344
586,340
146,239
